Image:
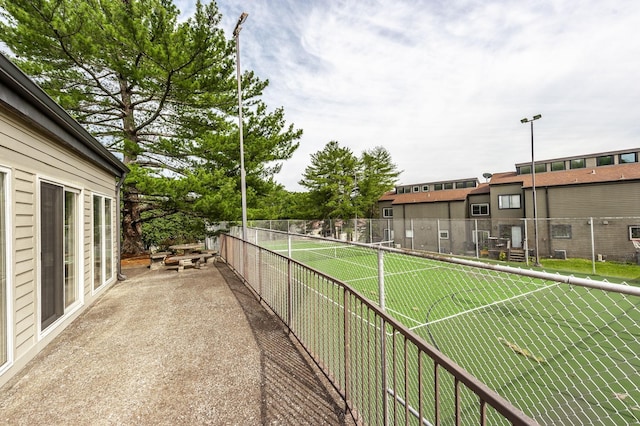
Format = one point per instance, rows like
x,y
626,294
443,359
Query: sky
x,y
443,84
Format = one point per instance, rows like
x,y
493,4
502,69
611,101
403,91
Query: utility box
x,y
560,254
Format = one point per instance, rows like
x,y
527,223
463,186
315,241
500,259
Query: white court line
x,y
391,274
400,314
486,306
333,302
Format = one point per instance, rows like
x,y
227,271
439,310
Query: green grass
x,y
615,272
538,343
612,271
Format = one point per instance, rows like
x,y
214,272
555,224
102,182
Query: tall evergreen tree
x,y
379,175
331,181
159,93
342,185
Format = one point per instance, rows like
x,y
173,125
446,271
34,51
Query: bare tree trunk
x,y
131,213
131,224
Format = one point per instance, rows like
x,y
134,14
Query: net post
x,y
477,238
593,248
381,278
289,245
412,236
383,337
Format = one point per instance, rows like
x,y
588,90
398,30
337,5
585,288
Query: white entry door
x,y
516,237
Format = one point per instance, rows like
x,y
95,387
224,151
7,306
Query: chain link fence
x,y
385,373
598,239
564,350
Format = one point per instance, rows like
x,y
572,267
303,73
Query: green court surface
x,y
556,351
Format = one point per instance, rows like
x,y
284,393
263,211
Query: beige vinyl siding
x,y
33,158
87,221
25,261
35,153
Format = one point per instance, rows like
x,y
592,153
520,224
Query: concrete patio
x,y
164,348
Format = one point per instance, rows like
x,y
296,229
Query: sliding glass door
x,y
59,248
52,254
4,309
103,259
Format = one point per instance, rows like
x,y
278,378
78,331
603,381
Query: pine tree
x,y
159,93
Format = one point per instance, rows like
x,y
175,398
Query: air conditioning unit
x,y
560,254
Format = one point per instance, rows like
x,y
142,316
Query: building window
x,y
387,212
466,184
425,188
59,248
561,231
448,185
605,160
480,209
577,163
416,189
524,170
634,232
557,166
629,157
4,265
509,201
437,187
444,234
102,241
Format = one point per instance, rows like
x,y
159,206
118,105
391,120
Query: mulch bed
x,y
131,262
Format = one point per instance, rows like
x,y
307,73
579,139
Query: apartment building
x,y
582,201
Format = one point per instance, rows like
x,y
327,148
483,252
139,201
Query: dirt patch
x,y
132,262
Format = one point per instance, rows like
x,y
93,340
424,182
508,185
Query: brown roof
x,y
614,173
435,196
388,196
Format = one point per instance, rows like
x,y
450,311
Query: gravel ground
x,y
169,348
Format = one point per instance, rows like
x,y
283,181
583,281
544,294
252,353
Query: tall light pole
x,y
243,177
533,184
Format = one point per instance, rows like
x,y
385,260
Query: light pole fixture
x,y
243,177
533,184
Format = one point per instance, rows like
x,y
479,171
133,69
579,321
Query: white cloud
x,y
443,85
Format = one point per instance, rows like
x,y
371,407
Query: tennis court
x,y
560,352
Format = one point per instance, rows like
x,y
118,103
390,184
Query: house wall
x,y
31,157
479,199
496,192
417,226
613,203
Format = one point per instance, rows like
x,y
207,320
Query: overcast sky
x,y
443,84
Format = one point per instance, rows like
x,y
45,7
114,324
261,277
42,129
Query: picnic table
x,y
187,248
183,255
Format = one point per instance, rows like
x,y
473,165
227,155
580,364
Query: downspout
x,y
121,276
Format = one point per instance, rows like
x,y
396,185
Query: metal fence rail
x,y
563,349
386,373
595,238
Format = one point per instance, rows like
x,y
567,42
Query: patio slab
x,y
166,348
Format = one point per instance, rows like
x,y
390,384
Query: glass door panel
x,y
52,254
70,248
4,315
97,241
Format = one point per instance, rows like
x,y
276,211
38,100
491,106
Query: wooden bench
x,y
157,259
